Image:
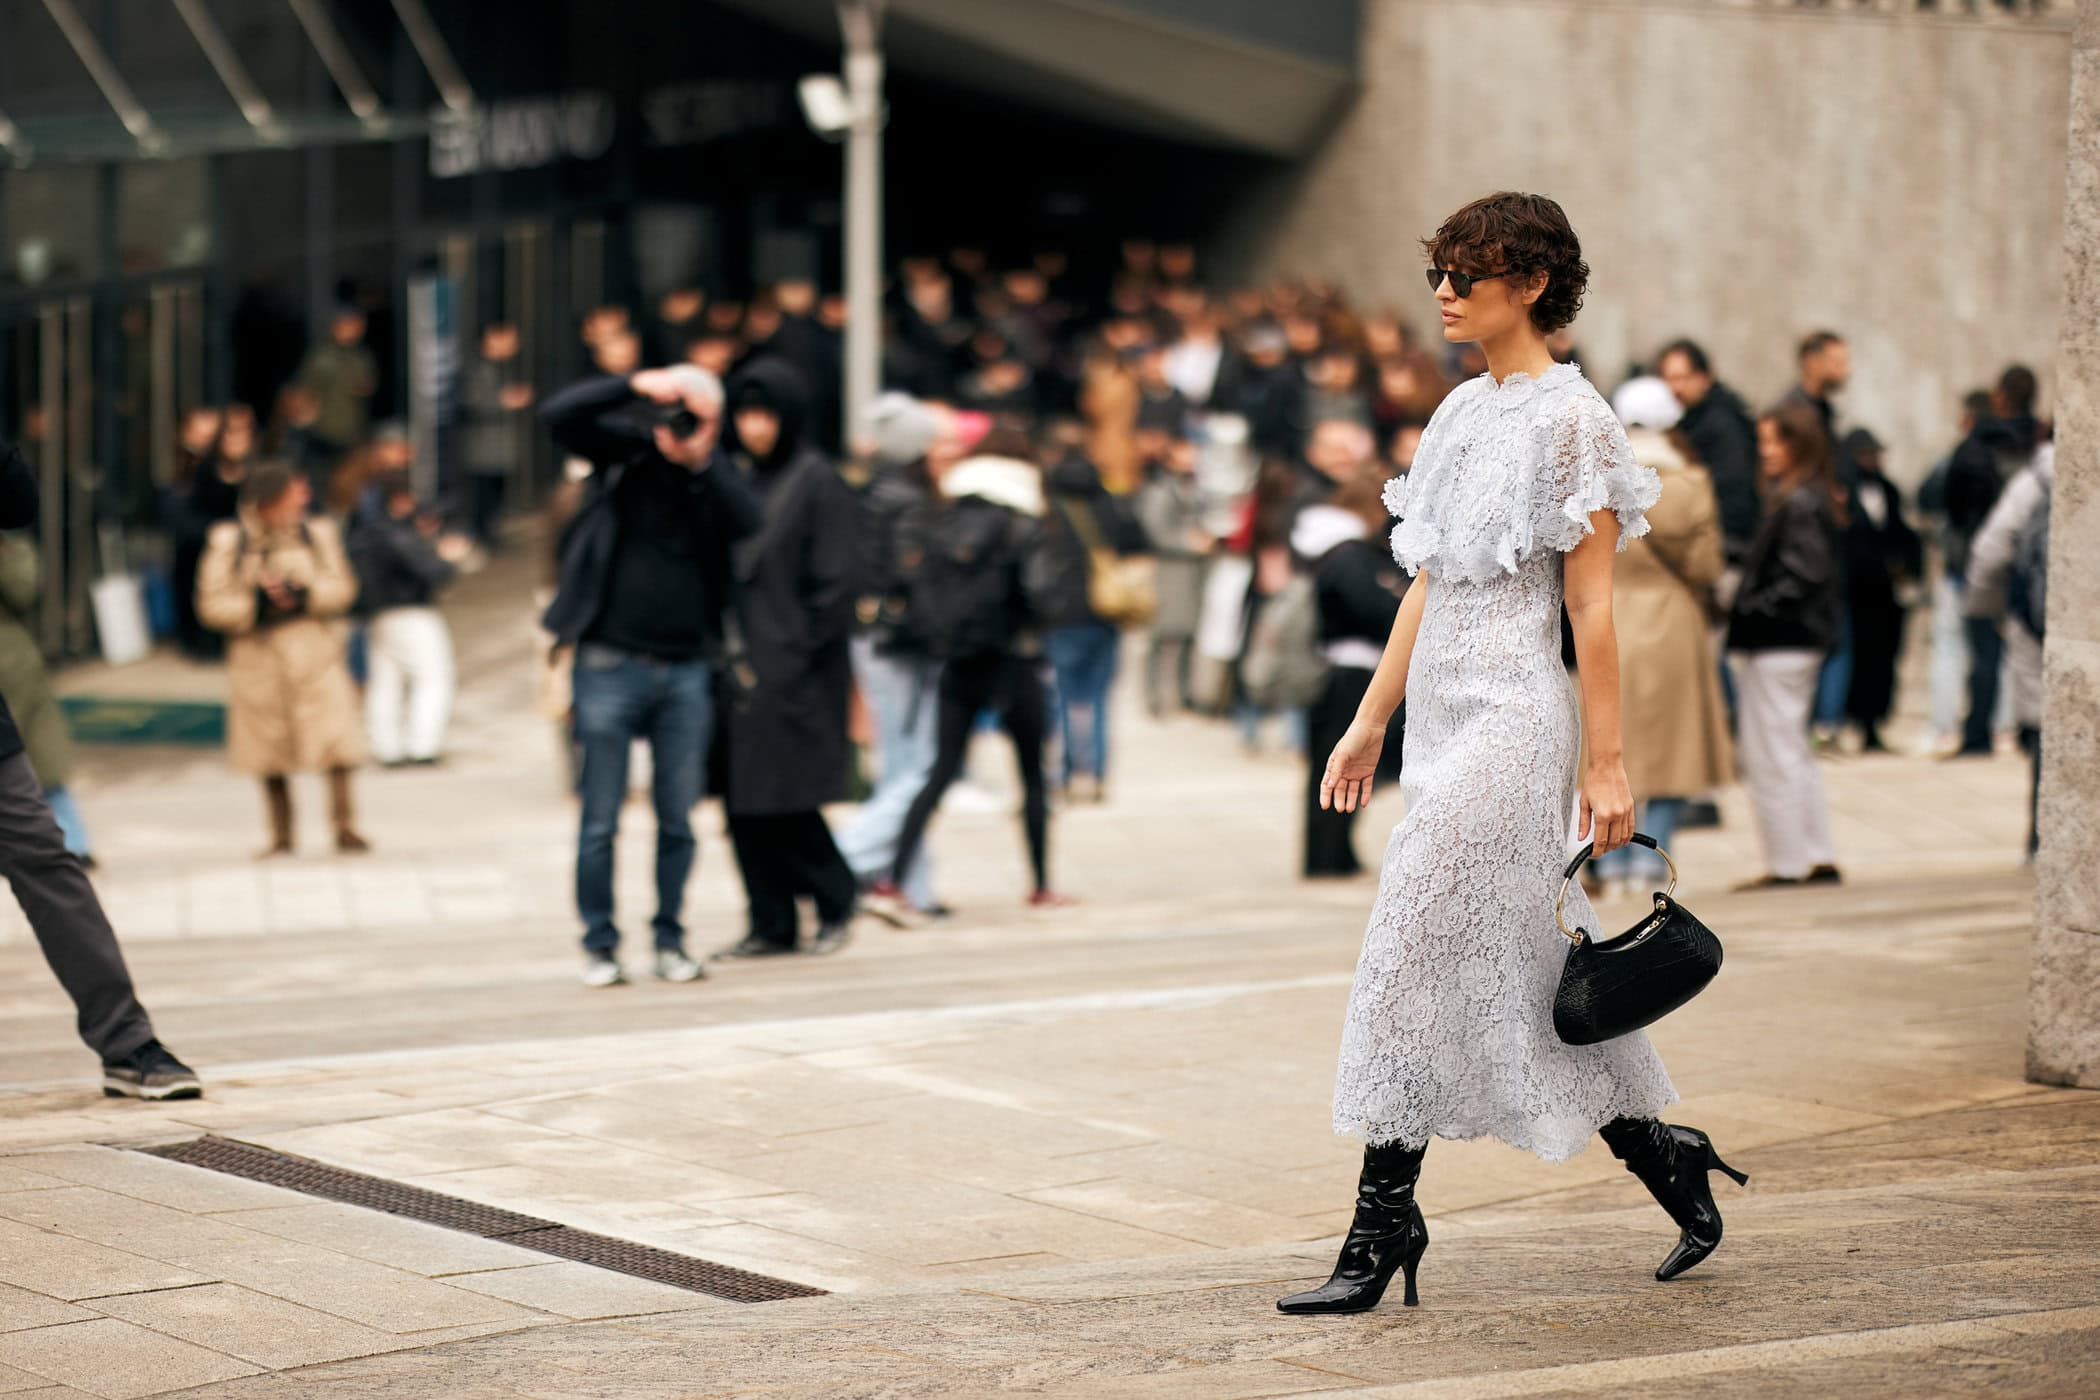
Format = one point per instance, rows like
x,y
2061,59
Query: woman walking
x,y
975,595
277,584
1521,490
1785,618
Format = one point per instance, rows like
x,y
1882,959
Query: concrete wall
x,y
1739,175
2064,1043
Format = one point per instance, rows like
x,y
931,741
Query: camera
x,y
674,418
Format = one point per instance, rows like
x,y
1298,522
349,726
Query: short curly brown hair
x,y
1522,234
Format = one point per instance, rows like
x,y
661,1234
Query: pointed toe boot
x,y
1673,1161
1386,1236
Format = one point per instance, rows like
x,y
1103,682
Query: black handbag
x,y
1622,984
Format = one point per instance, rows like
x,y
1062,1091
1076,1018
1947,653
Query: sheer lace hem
x,y
1551,1139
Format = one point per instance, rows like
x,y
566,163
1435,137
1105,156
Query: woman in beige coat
x,y
1670,681
276,581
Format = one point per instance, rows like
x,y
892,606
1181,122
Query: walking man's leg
x,y
79,944
769,887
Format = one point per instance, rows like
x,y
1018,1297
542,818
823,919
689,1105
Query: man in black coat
x,y
784,750
646,587
1723,437
61,906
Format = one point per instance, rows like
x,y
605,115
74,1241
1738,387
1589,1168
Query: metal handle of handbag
x,y
1576,935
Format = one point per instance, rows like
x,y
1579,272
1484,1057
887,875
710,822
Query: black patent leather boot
x,y
1673,1162
1387,1234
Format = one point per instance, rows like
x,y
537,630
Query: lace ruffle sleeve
x,y
1589,466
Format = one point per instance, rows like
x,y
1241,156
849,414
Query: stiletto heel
x,y
1714,1163
1408,1265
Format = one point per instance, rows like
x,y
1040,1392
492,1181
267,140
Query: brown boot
x,y
347,840
277,806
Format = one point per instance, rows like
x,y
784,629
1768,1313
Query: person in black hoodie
x,y
646,587
1884,561
784,750
1357,590
402,563
70,927
1784,620
976,589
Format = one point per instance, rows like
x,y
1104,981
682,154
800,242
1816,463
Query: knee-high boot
x,y
1386,1235
1672,1162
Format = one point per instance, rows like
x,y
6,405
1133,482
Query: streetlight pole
x,y
861,22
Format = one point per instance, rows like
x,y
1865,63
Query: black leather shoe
x,y
752,948
1386,1235
1673,1162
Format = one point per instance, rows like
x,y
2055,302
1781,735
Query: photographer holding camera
x,y
644,588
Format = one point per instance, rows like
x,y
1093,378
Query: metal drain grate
x,y
311,1178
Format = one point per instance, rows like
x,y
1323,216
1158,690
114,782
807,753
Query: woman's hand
x,y
1607,807
1346,786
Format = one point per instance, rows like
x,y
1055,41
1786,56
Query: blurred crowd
x,y
1055,462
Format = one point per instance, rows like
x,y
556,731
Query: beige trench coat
x,y
1671,709
292,707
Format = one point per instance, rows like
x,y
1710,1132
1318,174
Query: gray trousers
x,y
69,923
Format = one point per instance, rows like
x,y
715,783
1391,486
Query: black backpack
x,y
962,560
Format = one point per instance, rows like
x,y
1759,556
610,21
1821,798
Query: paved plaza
x,y
1075,1153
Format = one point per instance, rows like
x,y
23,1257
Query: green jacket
x,y
23,679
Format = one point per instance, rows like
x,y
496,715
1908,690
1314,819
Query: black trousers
x,y
784,857
62,908
1330,848
1986,655
1013,687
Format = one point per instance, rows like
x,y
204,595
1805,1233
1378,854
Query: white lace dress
x,y
1450,1027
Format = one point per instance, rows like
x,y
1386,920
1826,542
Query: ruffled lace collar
x,y
1515,392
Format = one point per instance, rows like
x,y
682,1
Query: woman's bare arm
x,y
1607,799
1389,681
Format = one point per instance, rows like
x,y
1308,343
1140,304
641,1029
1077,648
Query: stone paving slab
x,y
1076,1154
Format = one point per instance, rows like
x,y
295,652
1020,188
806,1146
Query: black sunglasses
x,y
1461,282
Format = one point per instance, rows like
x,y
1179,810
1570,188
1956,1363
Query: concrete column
x,y
2064,1001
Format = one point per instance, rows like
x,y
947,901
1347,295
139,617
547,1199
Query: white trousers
x,y
408,650
1775,690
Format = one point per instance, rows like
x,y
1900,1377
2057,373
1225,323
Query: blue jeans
x,y
1834,682
71,824
1083,662
621,697
1657,817
905,696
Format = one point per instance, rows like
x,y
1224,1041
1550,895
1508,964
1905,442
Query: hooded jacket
x,y
783,748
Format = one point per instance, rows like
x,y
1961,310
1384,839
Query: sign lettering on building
x,y
521,134
687,114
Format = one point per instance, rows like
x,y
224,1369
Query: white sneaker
x,y
600,971
674,966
